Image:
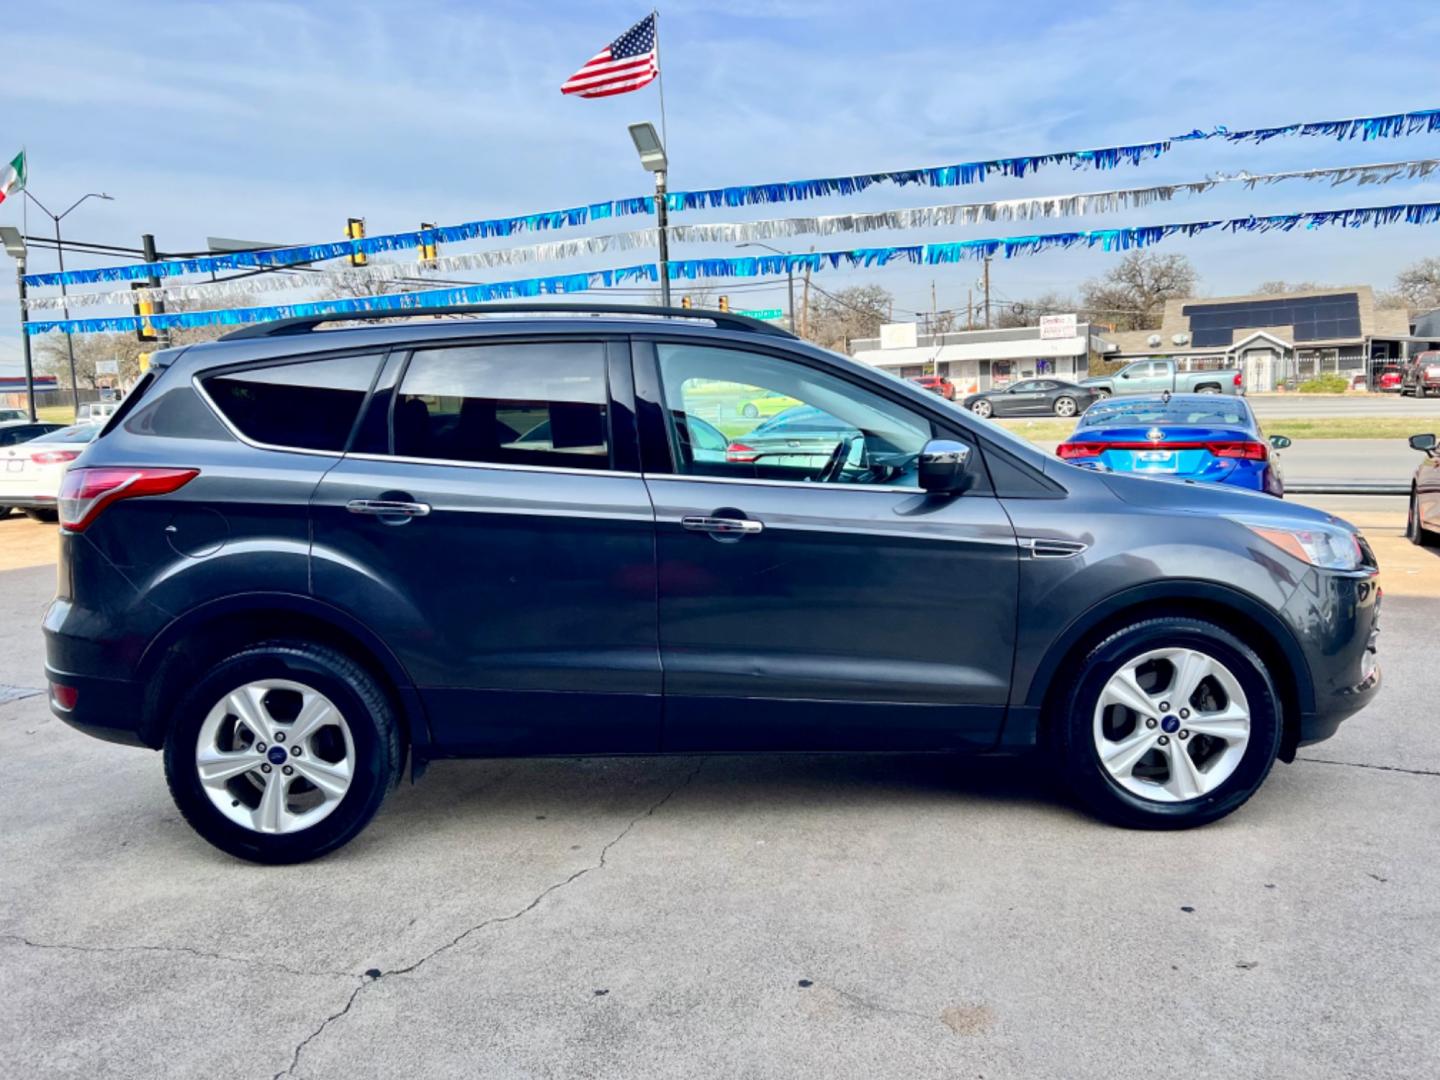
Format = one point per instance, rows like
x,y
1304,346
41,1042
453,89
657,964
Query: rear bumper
x,y
29,502
108,709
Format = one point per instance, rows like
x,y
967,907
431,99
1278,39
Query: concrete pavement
x,y
844,916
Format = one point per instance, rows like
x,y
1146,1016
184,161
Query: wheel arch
x,y
214,629
1243,616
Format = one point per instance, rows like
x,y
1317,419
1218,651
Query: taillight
x,y
1237,378
53,457
740,454
1244,451
1069,450
85,492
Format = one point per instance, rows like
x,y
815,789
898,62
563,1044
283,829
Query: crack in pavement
x,y
875,1006
375,976
183,949
1363,765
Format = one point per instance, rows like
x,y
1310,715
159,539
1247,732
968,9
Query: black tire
x,y
6,511
42,515
983,409
1208,390
1101,395
1416,533
1067,413
374,729
1071,732
750,411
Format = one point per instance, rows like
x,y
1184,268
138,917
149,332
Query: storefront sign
x,y
1057,326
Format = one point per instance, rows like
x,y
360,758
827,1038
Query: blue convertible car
x,y
1201,437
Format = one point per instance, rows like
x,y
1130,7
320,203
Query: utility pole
x,y
805,302
970,308
662,221
15,244
987,292
933,312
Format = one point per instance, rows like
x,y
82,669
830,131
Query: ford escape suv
x,y
297,557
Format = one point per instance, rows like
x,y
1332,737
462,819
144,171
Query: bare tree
x,y
1418,285
857,312
1280,288
1132,295
1028,312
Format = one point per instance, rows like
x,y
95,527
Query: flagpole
x,y
660,82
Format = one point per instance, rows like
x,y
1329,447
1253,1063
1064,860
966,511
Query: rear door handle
x,y
722,525
387,508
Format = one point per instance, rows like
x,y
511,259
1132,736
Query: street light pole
x,y
652,157
64,306
789,276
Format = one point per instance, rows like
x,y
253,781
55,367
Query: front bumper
x,y
1337,617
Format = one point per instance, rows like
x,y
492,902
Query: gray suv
x,y
297,557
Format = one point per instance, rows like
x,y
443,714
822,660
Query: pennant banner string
x,y
1366,128
1053,206
1122,239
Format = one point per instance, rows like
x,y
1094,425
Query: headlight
x,y
1319,545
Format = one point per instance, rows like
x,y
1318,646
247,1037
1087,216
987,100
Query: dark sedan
x,y
1033,397
1423,525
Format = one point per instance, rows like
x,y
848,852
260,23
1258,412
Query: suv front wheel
x,y
283,752
1169,724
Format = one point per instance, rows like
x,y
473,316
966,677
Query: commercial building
x,y
977,360
1275,339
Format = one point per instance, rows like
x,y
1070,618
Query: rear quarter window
x,y
305,405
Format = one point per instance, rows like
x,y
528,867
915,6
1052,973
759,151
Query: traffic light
x,y
355,230
144,308
429,252
724,303
685,302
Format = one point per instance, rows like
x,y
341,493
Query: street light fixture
x,y
789,275
60,255
652,157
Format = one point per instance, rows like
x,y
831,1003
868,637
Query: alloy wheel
x,y
1171,725
275,756
1065,406
981,409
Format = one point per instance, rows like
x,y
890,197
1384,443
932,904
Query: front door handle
x,y
387,508
722,526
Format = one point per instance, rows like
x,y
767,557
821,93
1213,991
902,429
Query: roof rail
x,y
306,323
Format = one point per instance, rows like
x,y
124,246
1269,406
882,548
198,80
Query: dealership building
x,y
977,360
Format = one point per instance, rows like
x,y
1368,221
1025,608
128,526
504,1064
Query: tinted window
x,y
310,405
531,404
1178,411
784,420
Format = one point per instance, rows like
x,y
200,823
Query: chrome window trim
x,y
494,466
806,484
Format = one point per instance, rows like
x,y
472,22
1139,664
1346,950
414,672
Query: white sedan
x,y
31,472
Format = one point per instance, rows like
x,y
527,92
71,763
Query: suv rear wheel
x,y
283,752
1169,724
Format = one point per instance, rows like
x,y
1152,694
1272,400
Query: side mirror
x,y
1124,374
944,466
1279,442
1423,443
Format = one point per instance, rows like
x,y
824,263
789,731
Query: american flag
x,y
627,63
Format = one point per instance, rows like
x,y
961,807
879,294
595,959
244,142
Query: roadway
x,y
1279,406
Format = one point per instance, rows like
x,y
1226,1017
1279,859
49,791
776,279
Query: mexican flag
x,y
12,177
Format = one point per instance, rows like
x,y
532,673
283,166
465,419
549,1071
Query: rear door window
x,y
308,405
530,404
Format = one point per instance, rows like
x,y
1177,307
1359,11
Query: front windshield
x,y
1221,411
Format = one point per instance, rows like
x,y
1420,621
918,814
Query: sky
x,y
276,121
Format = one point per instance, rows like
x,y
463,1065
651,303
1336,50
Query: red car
x,y
1421,376
1389,380
936,384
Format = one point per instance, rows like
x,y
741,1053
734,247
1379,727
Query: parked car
x,y
1421,376
297,559
95,412
1422,525
1358,381
1155,376
936,384
1180,436
31,471
13,416
14,432
1033,397
1388,379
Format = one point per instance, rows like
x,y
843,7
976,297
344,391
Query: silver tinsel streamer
x,y
925,217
